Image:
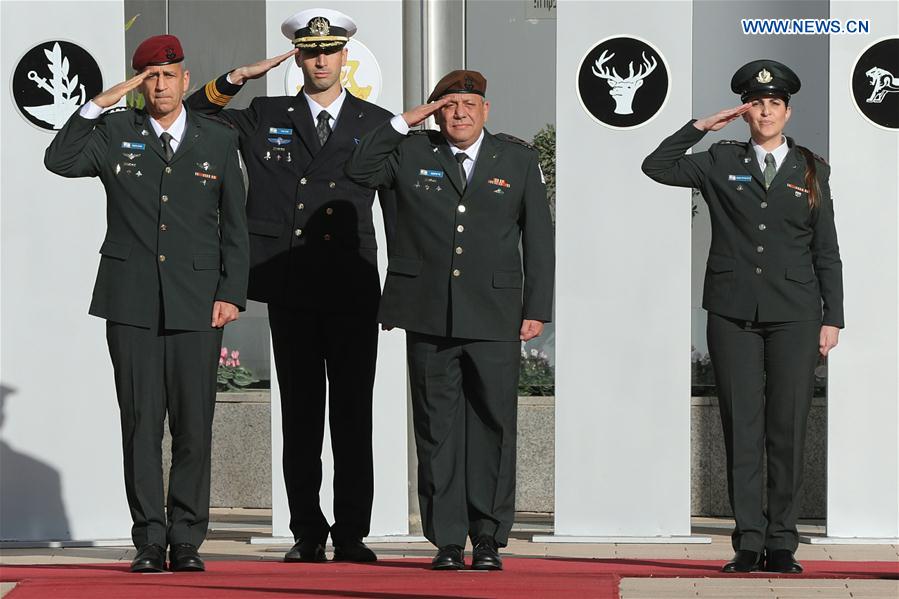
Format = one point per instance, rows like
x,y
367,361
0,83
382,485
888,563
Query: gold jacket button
x,y
461,208
457,272
165,199
332,184
758,270
764,204
300,206
329,211
762,227
460,228
459,249
168,170
162,257
298,232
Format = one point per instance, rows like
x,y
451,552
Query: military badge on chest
x,y
501,185
203,173
131,151
429,179
278,146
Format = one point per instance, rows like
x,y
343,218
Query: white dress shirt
x,y
333,109
176,130
780,153
400,126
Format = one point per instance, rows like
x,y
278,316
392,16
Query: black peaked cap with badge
x,y
764,77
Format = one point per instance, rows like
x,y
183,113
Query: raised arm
x,y
212,98
79,147
669,163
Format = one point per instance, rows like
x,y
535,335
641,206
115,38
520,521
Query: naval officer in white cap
x,y
314,262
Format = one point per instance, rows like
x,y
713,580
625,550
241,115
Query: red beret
x,y
157,50
459,82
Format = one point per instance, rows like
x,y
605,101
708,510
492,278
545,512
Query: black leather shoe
x,y
149,558
353,551
306,551
448,557
744,561
782,561
486,555
183,557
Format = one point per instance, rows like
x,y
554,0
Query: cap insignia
x,y
320,26
170,53
764,76
469,83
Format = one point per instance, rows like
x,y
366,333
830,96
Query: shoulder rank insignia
x,y
808,152
514,140
732,142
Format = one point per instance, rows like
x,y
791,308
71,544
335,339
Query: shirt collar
x,y
780,152
472,150
333,109
177,128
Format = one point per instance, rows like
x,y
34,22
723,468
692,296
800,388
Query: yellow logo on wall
x,y
361,76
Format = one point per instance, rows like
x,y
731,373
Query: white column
x,y
863,382
623,298
60,454
380,26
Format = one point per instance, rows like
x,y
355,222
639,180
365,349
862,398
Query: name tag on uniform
x,y
741,178
277,131
133,145
428,173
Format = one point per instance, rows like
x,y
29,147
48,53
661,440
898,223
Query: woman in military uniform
x,y
774,293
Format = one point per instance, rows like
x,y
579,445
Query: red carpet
x,y
388,579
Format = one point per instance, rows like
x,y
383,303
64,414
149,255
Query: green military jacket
x,y
465,262
772,258
176,231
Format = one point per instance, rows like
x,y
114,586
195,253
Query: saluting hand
x,y
828,340
420,113
258,69
721,119
223,313
111,96
530,329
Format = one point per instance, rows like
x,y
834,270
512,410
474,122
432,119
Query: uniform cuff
x,y
399,125
220,91
90,111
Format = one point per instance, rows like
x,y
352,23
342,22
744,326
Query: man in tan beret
x,y
467,297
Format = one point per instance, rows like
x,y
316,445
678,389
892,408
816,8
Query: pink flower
x,y
224,353
235,354
229,362
221,361
237,362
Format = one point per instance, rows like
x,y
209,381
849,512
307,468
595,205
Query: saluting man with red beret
x,y
173,272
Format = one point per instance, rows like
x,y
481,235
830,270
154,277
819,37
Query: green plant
x,y
133,99
536,376
231,375
545,144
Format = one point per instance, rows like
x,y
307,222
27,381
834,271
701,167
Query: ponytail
x,y
811,178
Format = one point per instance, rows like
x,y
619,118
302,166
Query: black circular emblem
x,y
623,82
52,80
875,83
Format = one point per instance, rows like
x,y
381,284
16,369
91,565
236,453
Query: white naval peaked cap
x,y
319,28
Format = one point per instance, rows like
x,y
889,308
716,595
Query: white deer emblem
x,y
624,88
883,82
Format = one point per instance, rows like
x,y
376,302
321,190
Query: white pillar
x,y
623,298
863,382
60,455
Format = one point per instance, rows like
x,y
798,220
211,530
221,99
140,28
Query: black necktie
x,y
461,157
166,139
324,126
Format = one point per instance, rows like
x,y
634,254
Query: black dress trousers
x,y
765,377
464,409
312,348
159,371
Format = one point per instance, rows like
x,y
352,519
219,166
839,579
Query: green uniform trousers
x,y
464,409
765,378
160,371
